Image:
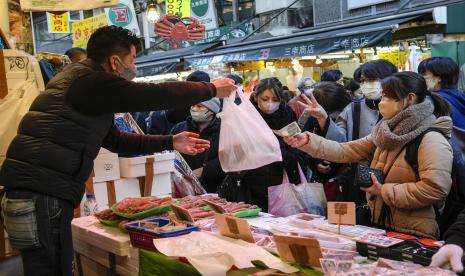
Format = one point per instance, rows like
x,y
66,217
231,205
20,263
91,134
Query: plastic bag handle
x,y
303,179
285,177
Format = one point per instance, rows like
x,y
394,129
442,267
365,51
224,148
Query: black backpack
x,y
455,201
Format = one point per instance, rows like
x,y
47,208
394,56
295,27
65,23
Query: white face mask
x,y
308,91
269,107
201,116
127,73
431,83
371,89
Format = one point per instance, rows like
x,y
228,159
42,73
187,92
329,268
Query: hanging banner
x,y
84,28
180,8
65,5
203,10
225,33
124,16
58,23
310,48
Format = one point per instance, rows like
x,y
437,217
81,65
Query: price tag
x,y
181,213
300,250
215,207
342,213
235,228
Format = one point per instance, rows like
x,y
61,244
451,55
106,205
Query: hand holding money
x,y
289,130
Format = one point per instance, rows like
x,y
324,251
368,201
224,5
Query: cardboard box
x,y
106,167
136,166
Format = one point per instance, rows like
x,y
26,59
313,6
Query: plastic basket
x,y
141,238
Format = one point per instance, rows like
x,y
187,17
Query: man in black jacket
x,y
452,252
52,155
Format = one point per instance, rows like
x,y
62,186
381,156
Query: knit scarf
x,y
404,127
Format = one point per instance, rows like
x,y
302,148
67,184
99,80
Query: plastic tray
x,y
147,213
112,223
144,239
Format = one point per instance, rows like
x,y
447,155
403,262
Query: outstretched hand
x,y
315,109
297,141
188,143
224,87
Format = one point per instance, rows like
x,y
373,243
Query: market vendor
x,y
52,156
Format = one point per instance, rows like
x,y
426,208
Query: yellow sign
x,y
181,8
58,23
84,28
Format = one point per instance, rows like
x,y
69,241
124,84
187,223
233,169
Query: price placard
x,y
300,250
181,213
233,227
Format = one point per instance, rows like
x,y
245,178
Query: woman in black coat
x,y
269,100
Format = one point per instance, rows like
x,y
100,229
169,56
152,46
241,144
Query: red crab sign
x,y
173,27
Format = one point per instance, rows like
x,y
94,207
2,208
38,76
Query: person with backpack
x,y
401,198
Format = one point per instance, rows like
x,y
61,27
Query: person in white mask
x,y
305,86
203,121
357,120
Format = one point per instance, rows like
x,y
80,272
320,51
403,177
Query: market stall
x,y
199,240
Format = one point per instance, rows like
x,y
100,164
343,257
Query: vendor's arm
x,y
456,233
434,168
130,143
99,93
349,152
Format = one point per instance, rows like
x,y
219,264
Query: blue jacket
x,y
457,102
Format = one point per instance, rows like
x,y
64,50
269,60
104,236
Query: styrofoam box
x,y
129,187
135,166
106,167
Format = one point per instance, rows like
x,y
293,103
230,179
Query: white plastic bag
x,y
284,200
246,141
12,109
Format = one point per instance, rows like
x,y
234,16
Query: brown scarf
x,y
404,127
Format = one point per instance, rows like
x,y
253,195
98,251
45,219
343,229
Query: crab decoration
x,y
173,27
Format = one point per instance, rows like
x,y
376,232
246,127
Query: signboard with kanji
x,y
65,5
225,33
84,28
58,23
124,16
203,10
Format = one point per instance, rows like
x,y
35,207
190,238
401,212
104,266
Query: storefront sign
x,y
58,23
152,70
203,10
225,33
65,5
84,28
316,47
124,16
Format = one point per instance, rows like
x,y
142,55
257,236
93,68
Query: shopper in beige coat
x,y
407,113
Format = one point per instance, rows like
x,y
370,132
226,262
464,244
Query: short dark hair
x,y
331,75
331,96
399,85
354,84
236,78
443,67
110,40
378,69
75,52
198,76
272,84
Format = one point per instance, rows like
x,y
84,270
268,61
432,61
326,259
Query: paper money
x,y
289,130
328,265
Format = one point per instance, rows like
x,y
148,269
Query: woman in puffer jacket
x,y
408,110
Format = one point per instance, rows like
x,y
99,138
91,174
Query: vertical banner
x,y
181,8
124,16
58,23
84,28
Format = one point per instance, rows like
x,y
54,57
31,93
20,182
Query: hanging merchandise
x,y
246,141
414,58
12,109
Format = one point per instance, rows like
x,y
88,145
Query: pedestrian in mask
x,y
305,86
268,99
441,75
203,121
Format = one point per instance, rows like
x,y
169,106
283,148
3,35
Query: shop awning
x,y
166,62
368,35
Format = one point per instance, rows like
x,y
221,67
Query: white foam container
x,y
135,166
106,167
